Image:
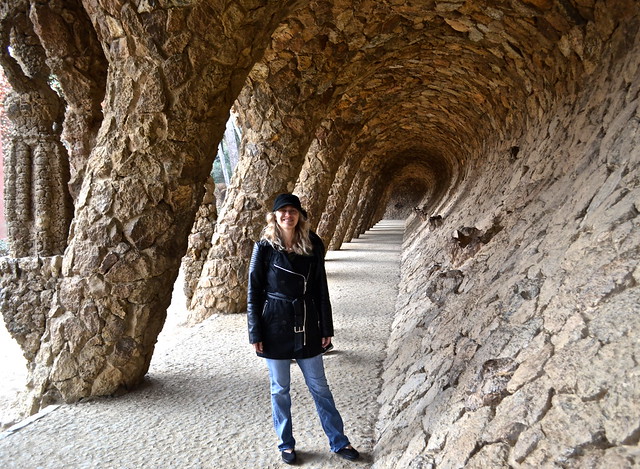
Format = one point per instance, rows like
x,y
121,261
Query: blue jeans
x,y
313,372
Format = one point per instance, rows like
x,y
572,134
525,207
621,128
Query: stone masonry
x,y
506,132
514,342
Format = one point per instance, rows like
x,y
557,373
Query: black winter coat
x,y
288,302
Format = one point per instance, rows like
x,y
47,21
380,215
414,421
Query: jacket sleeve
x,y
322,289
256,293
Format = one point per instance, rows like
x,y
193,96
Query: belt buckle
x,y
298,329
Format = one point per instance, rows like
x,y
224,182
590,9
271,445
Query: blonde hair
x,y
301,240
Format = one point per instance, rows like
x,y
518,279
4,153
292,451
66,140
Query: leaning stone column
x,y
321,165
272,146
132,216
372,200
222,284
200,240
348,212
370,197
76,58
288,95
357,212
272,154
337,197
379,209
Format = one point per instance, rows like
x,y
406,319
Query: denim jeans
x,y
313,372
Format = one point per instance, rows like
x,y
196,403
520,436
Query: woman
x,y
289,317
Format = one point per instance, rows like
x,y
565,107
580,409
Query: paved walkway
x,y
205,403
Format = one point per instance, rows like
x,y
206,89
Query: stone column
x,y
353,208
302,76
373,201
357,213
199,240
75,57
285,99
269,164
337,197
348,211
380,209
321,165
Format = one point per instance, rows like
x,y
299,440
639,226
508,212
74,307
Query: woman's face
x,y
287,217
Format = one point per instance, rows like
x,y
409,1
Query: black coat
x,y
288,307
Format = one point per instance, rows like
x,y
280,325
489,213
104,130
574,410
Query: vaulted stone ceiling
x,y
441,78
450,74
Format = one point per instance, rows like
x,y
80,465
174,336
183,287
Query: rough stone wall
x,y
515,342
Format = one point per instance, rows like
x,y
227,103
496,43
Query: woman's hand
x,y
257,347
326,341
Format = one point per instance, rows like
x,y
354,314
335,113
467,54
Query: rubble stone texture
x,y
287,95
337,199
514,337
321,167
74,55
199,241
511,126
38,205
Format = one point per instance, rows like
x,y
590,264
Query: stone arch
x,y
285,99
484,78
406,189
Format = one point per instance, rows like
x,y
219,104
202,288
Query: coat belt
x,y
298,304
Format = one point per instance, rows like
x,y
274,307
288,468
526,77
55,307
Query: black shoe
x,y
348,453
289,458
327,348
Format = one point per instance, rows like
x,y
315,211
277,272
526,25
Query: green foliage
x,y
216,171
222,157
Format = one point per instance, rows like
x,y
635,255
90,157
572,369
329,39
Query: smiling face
x,y
287,217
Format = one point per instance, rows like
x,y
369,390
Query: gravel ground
x,y
205,402
13,373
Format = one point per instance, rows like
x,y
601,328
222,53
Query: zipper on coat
x,y
304,302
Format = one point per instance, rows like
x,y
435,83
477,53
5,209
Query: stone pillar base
x,y
222,289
